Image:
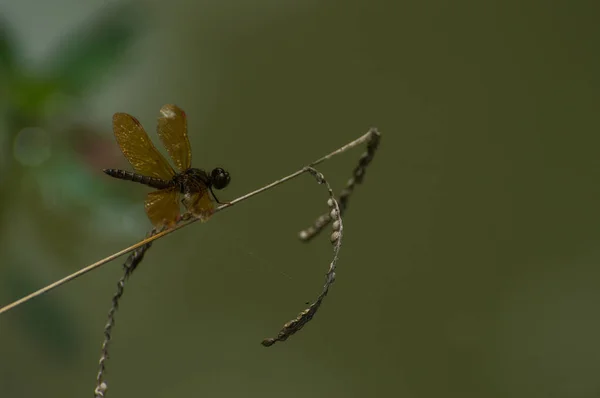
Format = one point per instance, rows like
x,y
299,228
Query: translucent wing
x,y
172,130
162,207
199,204
138,149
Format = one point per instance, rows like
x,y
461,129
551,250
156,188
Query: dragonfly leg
x,y
217,199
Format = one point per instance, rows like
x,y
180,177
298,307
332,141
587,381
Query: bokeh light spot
x,y
32,146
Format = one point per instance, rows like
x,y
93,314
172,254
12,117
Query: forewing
x,y
138,149
200,205
162,207
172,130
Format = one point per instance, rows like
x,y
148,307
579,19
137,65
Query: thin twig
x,y
133,260
357,177
336,239
184,223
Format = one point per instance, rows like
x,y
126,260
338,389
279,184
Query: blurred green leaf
x,y
7,51
91,50
28,96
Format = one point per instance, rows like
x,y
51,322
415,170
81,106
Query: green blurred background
x,y
470,261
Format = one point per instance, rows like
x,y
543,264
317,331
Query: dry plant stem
x,y
185,222
357,177
133,260
305,316
136,257
336,239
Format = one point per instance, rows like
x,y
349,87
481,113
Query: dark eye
x,y
220,178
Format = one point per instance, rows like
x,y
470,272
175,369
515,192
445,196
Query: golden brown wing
x,y
138,149
162,207
200,205
172,130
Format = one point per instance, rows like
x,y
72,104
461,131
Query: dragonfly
x,y
189,186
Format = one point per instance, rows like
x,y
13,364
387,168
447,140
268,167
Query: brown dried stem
x,y
336,239
133,260
358,175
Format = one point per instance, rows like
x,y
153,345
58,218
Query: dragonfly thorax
x,y
192,181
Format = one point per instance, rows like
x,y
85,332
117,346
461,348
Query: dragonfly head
x,y
219,178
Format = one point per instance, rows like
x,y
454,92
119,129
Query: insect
x,y
188,185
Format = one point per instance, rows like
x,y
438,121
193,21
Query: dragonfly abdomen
x,y
153,182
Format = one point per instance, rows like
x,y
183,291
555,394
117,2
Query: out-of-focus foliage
x,y
88,52
37,103
7,51
78,63
47,160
